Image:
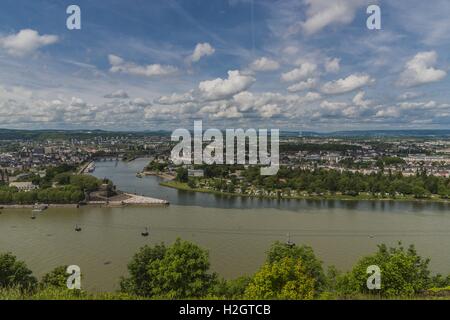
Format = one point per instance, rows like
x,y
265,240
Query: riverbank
x,y
125,199
162,175
361,197
32,206
120,200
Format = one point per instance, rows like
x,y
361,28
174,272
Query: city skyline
x,y
294,65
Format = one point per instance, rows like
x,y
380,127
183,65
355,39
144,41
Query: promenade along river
x,y
237,232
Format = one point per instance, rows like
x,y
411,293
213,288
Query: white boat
x,y
39,208
91,167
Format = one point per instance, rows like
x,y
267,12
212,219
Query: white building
x,y
23,186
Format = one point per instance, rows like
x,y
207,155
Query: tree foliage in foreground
x,y
56,278
181,271
312,265
403,273
175,272
14,273
285,279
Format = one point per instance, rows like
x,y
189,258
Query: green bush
x,y
403,273
283,279
14,273
175,272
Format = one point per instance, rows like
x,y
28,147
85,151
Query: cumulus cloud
x,y
304,71
172,113
352,82
221,110
356,109
409,95
359,101
303,85
269,111
408,112
140,102
332,65
119,65
119,94
331,109
420,70
224,88
201,50
323,13
176,98
25,42
264,64
390,112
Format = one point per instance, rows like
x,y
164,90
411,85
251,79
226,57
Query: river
x,y
236,231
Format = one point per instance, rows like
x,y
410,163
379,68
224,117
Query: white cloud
x,y
352,82
323,13
140,102
359,101
390,112
119,94
119,65
409,95
304,71
264,64
25,42
420,70
332,65
201,50
269,110
224,88
176,98
221,110
291,50
303,85
312,96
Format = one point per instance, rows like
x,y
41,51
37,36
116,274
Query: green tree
x,y
192,184
14,273
403,273
312,265
231,289
55,278
175,272
284,279
85,182
182,175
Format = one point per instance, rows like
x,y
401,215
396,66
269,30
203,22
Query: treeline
x,y
321,181
43,135
60,195
60,185
318,147
182,271
156,166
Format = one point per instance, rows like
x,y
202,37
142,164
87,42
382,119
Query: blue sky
x,y
298,65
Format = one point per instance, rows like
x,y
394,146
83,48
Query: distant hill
x,y
11,134
373,133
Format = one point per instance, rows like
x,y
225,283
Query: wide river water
x,y
236,231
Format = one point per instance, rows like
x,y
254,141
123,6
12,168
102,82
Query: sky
x,y
304,65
